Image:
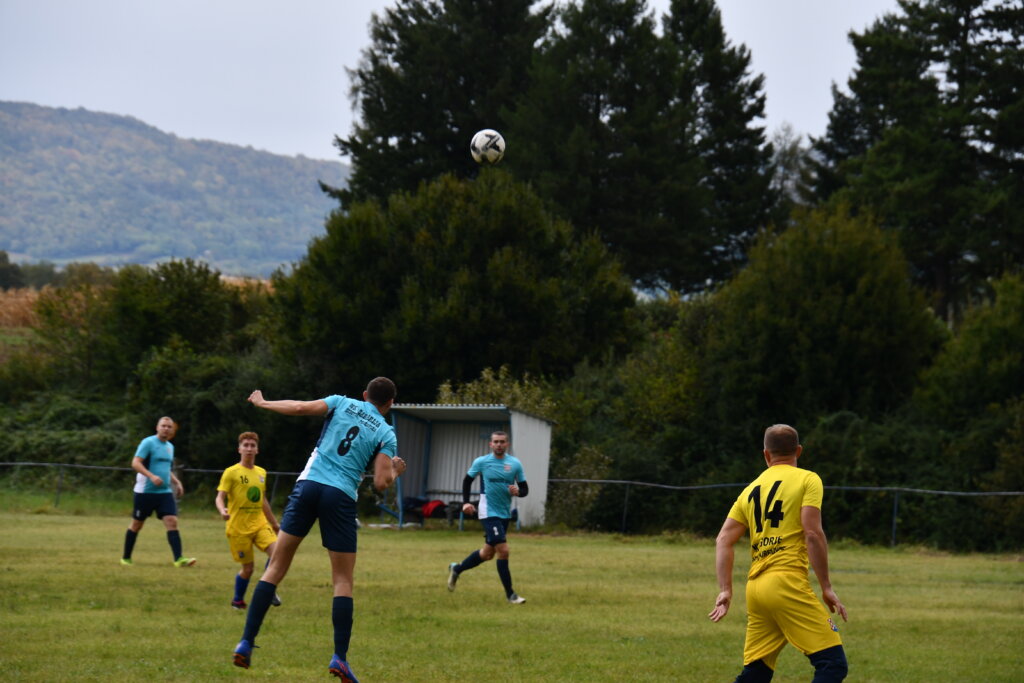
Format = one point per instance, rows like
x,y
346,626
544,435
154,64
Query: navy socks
x,y
506,576
174,538
129,543
341,616
472,560
262,595
240,587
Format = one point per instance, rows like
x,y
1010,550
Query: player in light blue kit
x,y
155,488
501,477
353,434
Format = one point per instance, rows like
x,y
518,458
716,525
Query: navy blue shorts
x,y
311,501
145,504
494,530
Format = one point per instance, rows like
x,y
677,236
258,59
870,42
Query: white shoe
x,y
453,575
514,599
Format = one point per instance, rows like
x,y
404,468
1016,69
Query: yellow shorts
x,y
781,608
241,544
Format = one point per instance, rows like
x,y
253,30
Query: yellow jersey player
x,y
782,511
242,503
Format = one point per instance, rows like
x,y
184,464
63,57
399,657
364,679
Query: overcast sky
x,y
271,73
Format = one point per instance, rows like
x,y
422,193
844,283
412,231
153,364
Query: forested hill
x,y
78,185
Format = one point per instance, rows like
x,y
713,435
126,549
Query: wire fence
x,y
61,467
206,485
895,491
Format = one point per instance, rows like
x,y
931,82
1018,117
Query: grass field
x,y
600,607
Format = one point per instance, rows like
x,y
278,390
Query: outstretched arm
x,y
817,553
730,533
287,407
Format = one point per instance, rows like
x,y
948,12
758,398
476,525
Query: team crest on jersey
x,y
508,468
832,625
262,480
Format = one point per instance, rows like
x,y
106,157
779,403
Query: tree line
x,y
644,268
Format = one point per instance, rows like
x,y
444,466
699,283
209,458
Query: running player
x,y
155,491
501,478
242,503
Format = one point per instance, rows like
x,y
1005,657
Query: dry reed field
x,y
16,307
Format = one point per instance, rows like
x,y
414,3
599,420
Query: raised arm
x,y
288,407
817,553
730,533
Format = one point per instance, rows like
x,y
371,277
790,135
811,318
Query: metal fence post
x,y
625,508
895,511
399,503
273,490
60,480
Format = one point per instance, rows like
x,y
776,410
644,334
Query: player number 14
x,y
773,513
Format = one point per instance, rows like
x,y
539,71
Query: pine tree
x,y
648,139
929,140
731,145
436,72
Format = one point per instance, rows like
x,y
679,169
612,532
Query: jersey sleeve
x,y
474,469
739,511
225,482
388,445
813,491
142,452
521,475
333,401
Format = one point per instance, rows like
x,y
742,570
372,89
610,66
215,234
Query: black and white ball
x,y
487,146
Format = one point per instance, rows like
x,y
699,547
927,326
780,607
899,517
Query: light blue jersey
x,y
354,432
497,474
157,456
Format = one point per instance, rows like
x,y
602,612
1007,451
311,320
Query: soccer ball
x,y
487,146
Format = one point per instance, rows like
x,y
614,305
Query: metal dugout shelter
x,y
440,442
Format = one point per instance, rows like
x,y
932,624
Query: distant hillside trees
x,y
86,186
